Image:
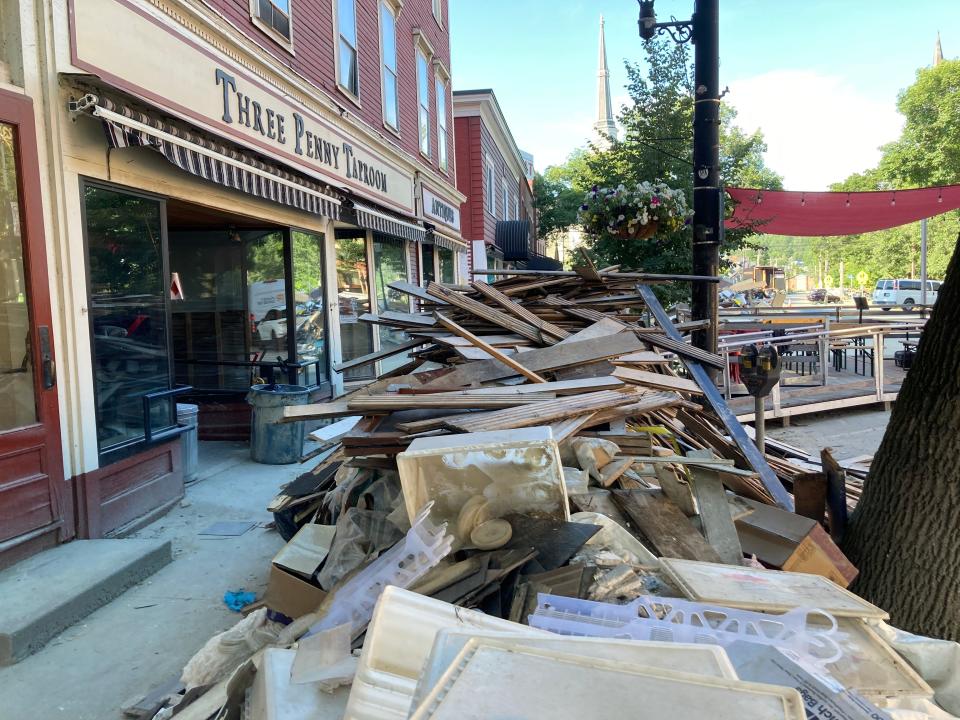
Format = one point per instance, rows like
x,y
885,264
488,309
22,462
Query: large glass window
x,y
347,74
127,313
441,124
307,249
390,265
388,62
423,100
426,263
446,260
17,401
353,296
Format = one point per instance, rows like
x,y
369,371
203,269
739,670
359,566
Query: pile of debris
x,y
550,512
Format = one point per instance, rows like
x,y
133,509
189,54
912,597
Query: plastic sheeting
x,y
937,662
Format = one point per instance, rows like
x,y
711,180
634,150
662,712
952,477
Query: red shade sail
x,y
779,212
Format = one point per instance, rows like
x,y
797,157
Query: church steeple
x,y
937,52
604,126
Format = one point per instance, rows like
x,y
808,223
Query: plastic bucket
x,y
187,417
273,442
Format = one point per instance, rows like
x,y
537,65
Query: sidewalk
x,y
144,637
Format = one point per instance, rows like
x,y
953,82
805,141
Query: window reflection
x,y
353,296
307,249
390,265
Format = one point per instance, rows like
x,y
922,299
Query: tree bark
x,y
905,533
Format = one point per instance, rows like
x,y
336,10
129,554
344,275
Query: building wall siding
x,y
313,58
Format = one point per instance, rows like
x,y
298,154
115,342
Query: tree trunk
x,y
905,533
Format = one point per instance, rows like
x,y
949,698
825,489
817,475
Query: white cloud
x,y
818,128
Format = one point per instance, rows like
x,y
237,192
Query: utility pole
x,y
703,29
923,262
707,196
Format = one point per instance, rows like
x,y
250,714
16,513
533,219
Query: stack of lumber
x,y
588,352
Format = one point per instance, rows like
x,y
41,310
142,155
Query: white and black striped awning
x,y
445,241
202,156
372,218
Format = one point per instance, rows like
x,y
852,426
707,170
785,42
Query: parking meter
x,y
759,371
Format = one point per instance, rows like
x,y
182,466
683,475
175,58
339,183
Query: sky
x,y
819,78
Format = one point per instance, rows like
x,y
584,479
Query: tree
x,y
904,534
556,198
657,146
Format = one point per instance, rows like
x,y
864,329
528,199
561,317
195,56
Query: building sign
x,y
440,210
154,58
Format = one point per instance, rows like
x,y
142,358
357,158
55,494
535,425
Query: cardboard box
x,y
289,590
786,541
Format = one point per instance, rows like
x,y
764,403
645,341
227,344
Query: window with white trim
x,y
488,189
516,207
441,88
348,76
423,100
388,65
272,16
506,197
438,11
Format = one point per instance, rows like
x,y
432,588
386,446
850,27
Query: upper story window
x,y
516,207
506,198
388,64
423,100
273,16
489,187
441,123
347,74
438,11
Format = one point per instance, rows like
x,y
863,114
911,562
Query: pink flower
x,y
654,201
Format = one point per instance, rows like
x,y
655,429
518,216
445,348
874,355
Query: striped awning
x,y
204,157
371,218
445,241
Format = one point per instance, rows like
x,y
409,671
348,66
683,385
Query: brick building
x,y
498,215
205,194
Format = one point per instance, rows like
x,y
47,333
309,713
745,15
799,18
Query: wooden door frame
x,y
17,110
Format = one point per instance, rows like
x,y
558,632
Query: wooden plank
x,y
646,357
810,495
542,413
489,349
491,293
370,403
416,291
472,354
391,317
601,501
601,328
375,356
662,523
754,457
612,471
836,494
543,359
655,380
649,403
489,314
683,349
563,429
558,387
495,340
605,275
676,488
718,527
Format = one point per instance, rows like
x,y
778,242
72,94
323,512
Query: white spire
x,y
604,126
937,51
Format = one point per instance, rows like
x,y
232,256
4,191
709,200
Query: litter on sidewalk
x,y
549,512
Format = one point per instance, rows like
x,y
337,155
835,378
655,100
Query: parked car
x,y
903,292
272,328
822,295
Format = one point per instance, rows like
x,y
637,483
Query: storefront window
x,y
353,296
17,405
128,317
307,250
447,259
426,263
266,294
390,265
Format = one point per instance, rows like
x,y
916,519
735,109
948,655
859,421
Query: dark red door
x,y
35,509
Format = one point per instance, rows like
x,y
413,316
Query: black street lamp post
x,y
704,31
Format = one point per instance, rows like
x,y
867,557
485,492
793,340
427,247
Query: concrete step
x,y
47,593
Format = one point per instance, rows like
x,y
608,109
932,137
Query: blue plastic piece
x,y
237,600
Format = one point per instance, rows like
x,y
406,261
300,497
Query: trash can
x,y
187,417
273,442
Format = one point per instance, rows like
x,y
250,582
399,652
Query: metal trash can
x,y
187,417
273,442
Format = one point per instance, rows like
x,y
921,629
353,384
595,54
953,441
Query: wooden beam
x,y
379,355
662,523
655,380
491,293
489,349
489,314
610,275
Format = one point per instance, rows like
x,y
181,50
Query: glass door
x,y
34,501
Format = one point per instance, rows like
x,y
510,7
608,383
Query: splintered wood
x,y
578,352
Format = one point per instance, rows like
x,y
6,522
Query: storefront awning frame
x,y
371,218
127,127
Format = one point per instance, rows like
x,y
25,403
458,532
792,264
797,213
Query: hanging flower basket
x,y
635,213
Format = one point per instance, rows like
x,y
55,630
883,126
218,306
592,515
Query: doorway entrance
x,y
35,509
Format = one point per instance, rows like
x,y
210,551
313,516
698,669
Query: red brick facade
x,y
313,58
